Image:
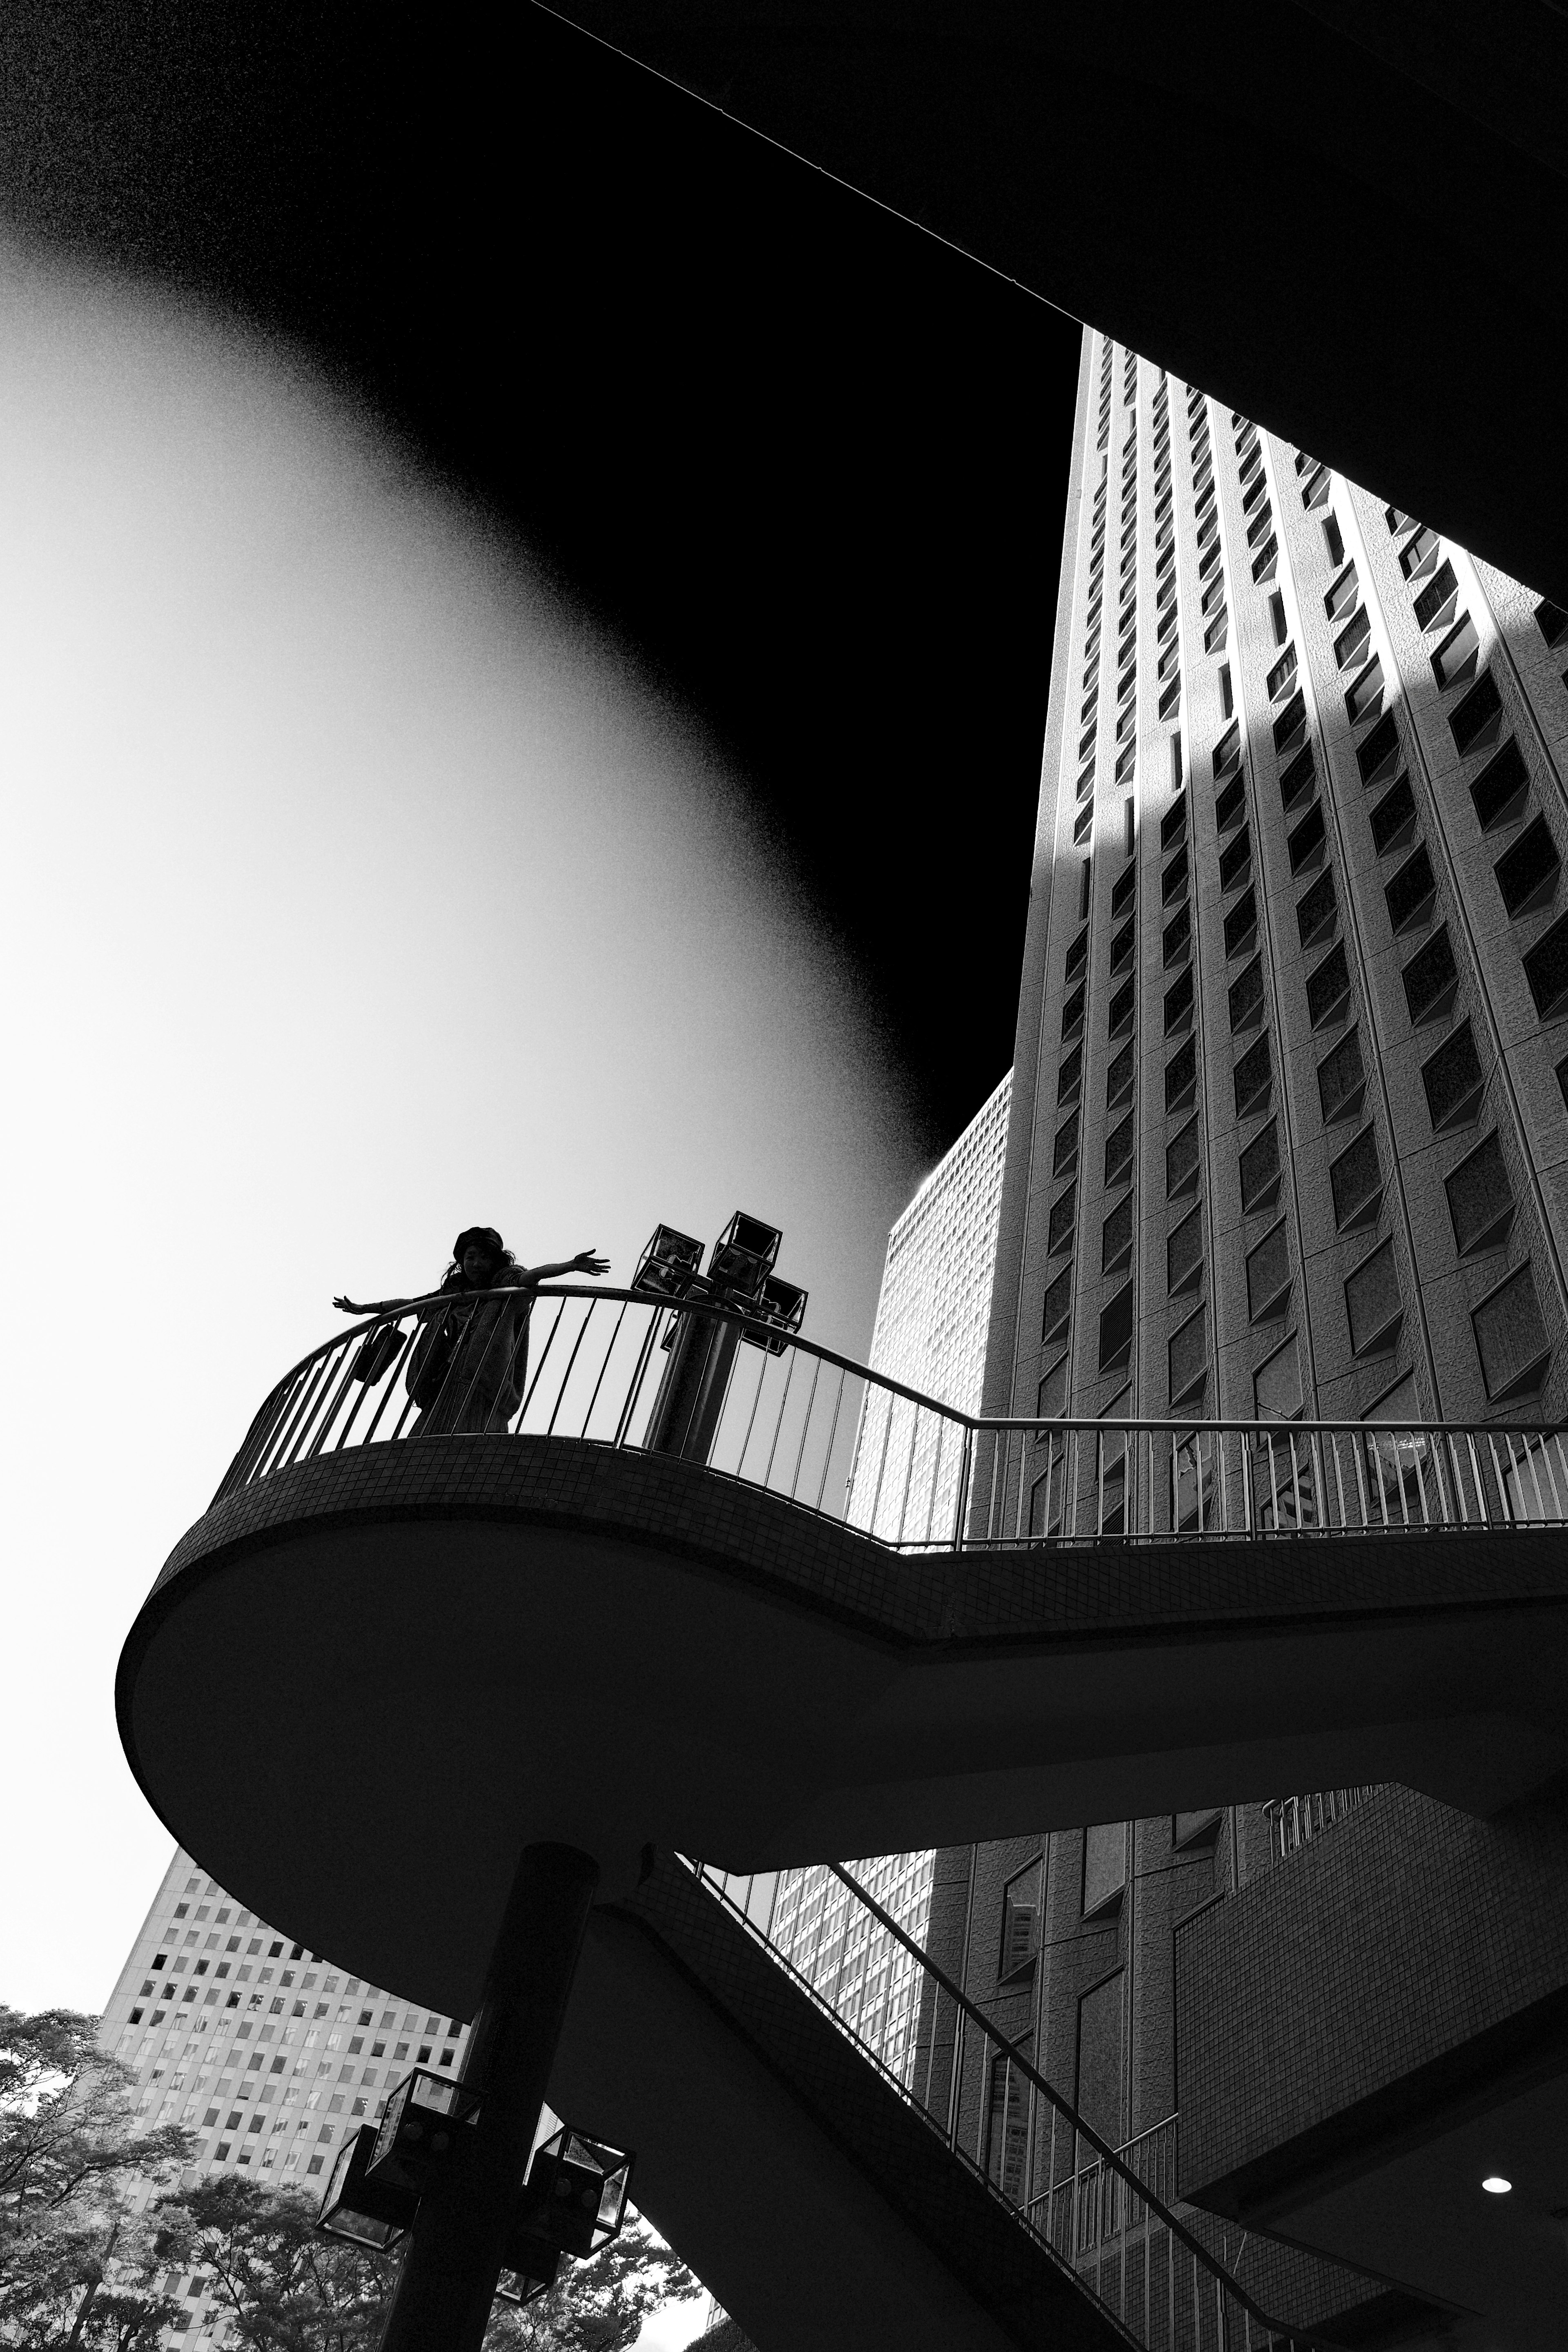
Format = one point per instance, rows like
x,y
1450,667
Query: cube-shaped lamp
x,y
416,2129
743,1255
782,1304
529,2265
669,1265
367,2212
576,2194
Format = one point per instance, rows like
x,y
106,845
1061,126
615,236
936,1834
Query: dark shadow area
x,y
808,462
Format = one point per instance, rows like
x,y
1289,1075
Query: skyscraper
x,y
1292,1063
932,1321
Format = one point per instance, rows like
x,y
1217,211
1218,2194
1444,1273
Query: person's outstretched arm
x,y
584,1263
372,1306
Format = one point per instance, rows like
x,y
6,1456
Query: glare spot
x,y
1496,2186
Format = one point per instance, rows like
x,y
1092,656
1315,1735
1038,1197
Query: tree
x,y
68,2151
287,2288
598,2306
291,2290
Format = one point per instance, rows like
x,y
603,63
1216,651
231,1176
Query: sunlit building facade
x,y
933,1316
932,1321
265,2052
1291,1090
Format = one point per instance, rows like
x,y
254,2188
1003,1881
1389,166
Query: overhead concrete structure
x,y
517,1640
1345,222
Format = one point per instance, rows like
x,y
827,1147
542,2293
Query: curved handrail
x,y
840,1438
1177,1424
1279,2335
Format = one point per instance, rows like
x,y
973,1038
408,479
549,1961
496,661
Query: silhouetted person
x,y
468,1368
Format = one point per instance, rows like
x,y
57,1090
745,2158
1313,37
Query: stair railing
x,y
1107,2218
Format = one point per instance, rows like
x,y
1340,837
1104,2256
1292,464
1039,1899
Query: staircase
x,y
830,2203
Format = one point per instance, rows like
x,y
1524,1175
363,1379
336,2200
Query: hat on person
x,y
483,1237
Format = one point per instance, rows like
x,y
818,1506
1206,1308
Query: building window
x,y
1245,997
1453,1081
1182,1159
1052,1400
1291,723
1317,910
1100,2056
1282,676
1277,1393
1231,805
1528,869
1355,1179
1349,645
1546,968
1342,594
1411,893
1177,937
1057,1304
1116,1330
1480,1198
1296,777
1241,925
1511,1338
1363,700
1179,1004
1379,753
1070,1077
1329,987
1394,818
1455,659
1373,1306
1064,1214
1305,844
1476,717
1185,1254
1022,1918
1342,1079
1182,1076
1116,1237
1431,981
1007,2128
1188,1358
1119,1079
1253,1079
1236,862
1104,1867
1500,789
1268,1276
1260,1169
1436,601
1064,1155
1551,621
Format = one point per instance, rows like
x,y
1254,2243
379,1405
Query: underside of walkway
x,y
515,1639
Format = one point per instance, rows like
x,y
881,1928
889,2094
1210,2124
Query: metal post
x,y
696,1384
448,2283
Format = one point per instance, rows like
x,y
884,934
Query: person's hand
x,y
347,1307
586,1262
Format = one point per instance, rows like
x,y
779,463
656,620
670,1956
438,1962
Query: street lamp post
x,y
446,2166
703,1348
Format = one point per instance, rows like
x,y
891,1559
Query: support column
x,y
446,2284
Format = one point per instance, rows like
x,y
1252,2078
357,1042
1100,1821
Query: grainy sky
x,y
355,891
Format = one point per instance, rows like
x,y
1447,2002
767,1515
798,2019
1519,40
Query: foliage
x,y
289,2290
286,2288
74,2260
597,2306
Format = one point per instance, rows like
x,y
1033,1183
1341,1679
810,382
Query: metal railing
x,y
839,1439
1104,2213
1295,1822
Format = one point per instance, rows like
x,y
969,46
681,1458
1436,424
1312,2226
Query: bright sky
x,y
356,892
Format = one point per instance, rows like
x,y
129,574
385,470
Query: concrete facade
x,y
1289,1138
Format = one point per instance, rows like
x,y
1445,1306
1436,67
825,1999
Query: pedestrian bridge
x,y
866,1622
